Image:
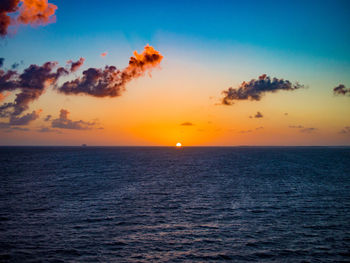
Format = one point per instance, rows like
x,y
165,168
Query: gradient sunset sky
x,y
207,47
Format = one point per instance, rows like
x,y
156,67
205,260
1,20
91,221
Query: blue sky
x,y
315,28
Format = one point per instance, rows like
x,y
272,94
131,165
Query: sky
x,y
206,73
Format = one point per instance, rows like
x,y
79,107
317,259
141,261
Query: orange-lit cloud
x,y
33,12
36,12
3,96
75,65
110,81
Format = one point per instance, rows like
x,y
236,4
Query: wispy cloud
x,y
48,130
345,130
187,124
303,129
308,130
296,126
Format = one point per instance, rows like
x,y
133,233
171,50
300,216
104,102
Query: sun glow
x,y
178,144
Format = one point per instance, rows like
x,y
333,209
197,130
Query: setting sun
x,y
178,144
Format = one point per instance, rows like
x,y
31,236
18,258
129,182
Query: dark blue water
x,y
174,205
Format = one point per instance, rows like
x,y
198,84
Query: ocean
x,y
164,204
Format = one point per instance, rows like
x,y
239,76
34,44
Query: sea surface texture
x,y
133,204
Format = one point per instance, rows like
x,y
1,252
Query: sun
x,y
178,144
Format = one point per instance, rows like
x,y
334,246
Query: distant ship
x,y
83,145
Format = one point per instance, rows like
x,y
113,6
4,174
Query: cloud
x,y
256,89
6,6
25,119
48,118
31,83
341,90
63,122
32,12
3,96
12,129
286,114
308,130
258,115
1,62
245,131
9,128
104,54
75,65
15,65
48,129
303,129
34,80
251,130
345,130
109,81
187,124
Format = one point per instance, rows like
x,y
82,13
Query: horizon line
x,y
174,146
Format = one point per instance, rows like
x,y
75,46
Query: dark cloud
x,y
345,130
15,65
48,118
256,89
33,12
25,119
6,6
34,80
341,90
187,124
63,122
258,115
1,62
109,81
31,84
